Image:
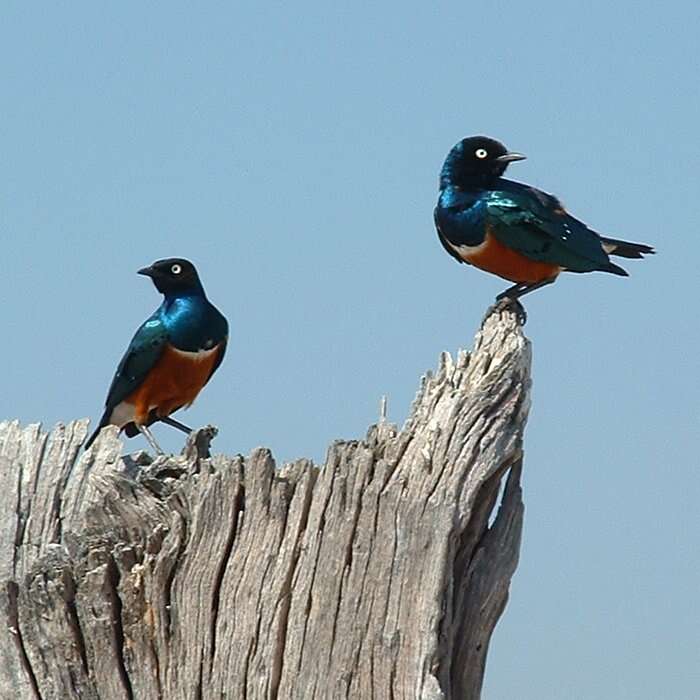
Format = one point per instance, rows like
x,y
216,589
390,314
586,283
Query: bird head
x,y
476,159
173,276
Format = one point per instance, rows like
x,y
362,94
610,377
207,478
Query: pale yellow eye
x,y
176,269
481,153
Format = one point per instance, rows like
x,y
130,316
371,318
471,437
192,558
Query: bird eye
x,y
481,153
176,269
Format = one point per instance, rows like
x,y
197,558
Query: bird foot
x,y
506,303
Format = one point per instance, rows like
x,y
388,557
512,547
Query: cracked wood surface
x,y
381,574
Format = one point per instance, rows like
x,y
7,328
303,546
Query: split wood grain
x,y
381,574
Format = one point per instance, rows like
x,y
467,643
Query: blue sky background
x,y
292,150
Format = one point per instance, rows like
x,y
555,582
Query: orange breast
x,y
175,381
498,259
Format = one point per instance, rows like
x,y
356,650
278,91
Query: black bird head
x,y
476,159
173,276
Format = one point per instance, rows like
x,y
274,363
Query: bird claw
x,y
506,303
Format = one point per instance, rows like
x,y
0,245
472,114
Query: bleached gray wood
x,y
379,575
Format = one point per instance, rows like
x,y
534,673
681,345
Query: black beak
x,y
148,271
510,157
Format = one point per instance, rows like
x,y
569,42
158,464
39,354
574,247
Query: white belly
x,y
122,414
197,355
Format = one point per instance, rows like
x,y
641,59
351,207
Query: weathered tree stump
x,y
375,576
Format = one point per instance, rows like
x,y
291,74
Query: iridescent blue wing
x,y
140,357
536,225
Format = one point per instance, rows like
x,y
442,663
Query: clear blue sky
x,y
292,150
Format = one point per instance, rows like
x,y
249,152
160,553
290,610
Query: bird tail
x,y
91,439
129,429
615,269
103,421
625,249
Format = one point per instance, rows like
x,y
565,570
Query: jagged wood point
x,y
381,574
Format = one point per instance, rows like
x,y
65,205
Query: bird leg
x,y
521,289
176,424
510,298
511,292
150,439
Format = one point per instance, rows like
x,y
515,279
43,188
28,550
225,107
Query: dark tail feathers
x,y
130,428
615,269
625,249
103,421
91,439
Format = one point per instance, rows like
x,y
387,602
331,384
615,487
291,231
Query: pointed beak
x,y
148,271
510,157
